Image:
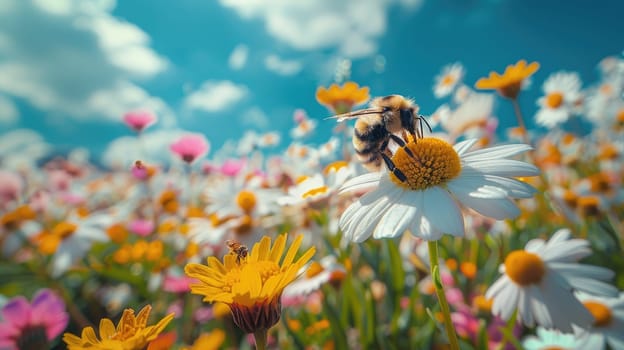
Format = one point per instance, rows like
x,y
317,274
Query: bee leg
x,y
402,144
398,173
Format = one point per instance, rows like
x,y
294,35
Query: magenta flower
x,y
141,227
33,325
190,147
231,167
139,120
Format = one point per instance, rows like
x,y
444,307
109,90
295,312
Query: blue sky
x,y
70,68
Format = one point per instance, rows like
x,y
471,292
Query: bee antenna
x,y
422,119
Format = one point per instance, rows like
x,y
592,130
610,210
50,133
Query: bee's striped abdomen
x,y
367,139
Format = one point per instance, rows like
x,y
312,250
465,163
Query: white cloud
x,y
352,26
8,111
238,57
21,148
214,96
281,66
75,56
255,117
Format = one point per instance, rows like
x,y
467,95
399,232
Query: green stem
x,y
520,118
437,282
261,338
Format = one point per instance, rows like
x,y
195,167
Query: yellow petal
x,y
107,328
263,248
72,340
88,334
278,248
216,264
292,251
305,257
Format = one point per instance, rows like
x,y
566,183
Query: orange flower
x,y
509,84
342,99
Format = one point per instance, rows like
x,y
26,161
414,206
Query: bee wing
x,y
355,114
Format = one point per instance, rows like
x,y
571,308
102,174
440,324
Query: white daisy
x,y
317,274
608,325
319,186
235,197
471,117
304,128
540,280
549,339
446,82
71,239
562,93
437,177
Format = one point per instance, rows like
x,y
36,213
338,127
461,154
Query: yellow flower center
x,y
246,200
601,313
335,166
447,80
64,229
524,268
588,206
314,269
554,100
434,162
553,348
313,192
482,303
267,269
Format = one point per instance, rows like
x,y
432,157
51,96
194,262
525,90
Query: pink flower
x,y
466,324
11,187
231,167
141,227
177,284
33,325
139,120
190,147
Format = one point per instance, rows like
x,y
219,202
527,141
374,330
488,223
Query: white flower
x,y
438,176
471,117
608,325
73,239
317,187
562,93
549,339
316,275
304,128
448,79
540,280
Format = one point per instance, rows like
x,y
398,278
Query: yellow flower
x,y
251,286
509,84
132,333
208,341
342,99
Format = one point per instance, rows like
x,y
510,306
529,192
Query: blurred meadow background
x,y
138,138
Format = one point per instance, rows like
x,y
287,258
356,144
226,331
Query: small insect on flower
x,y
381,122
238,249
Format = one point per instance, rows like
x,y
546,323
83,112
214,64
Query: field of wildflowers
x,y
494,240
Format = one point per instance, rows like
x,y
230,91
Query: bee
x,y
238,249
375,126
